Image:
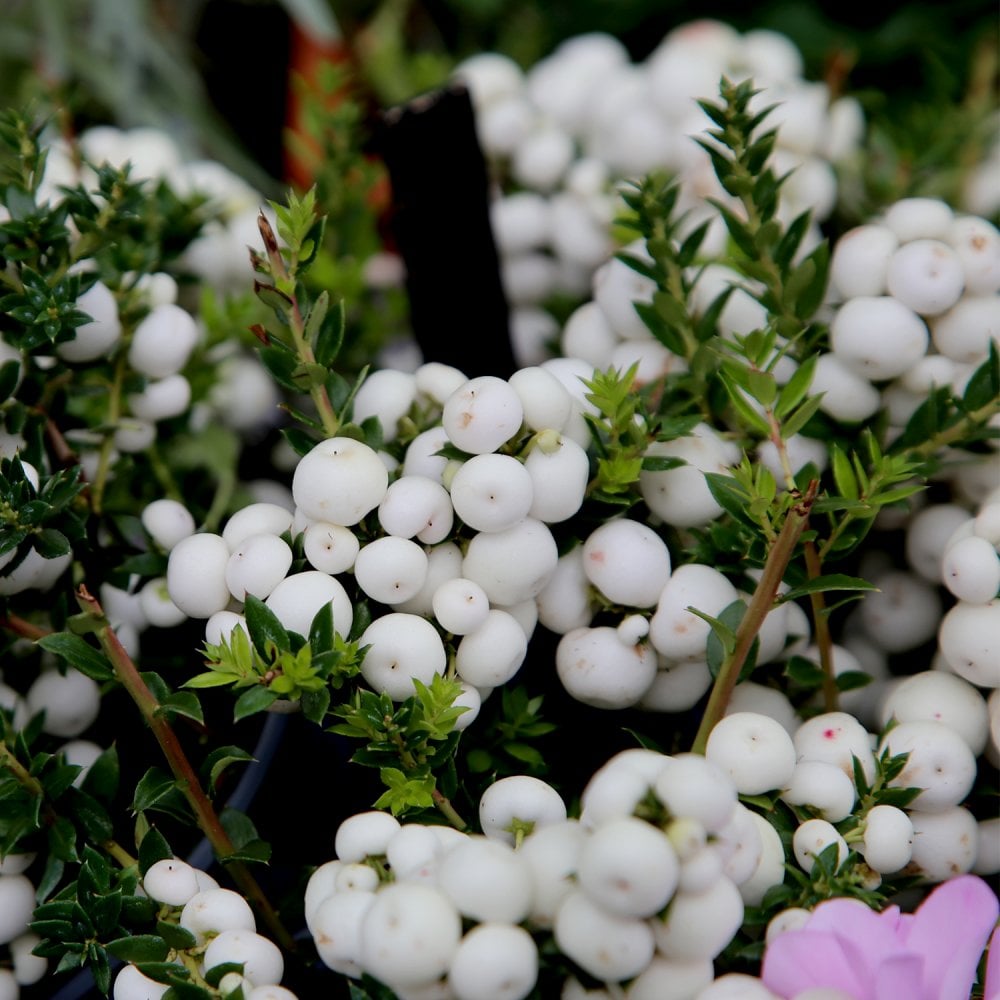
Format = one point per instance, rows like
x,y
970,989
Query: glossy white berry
x,y
297,599
17,903
168,522
927,276
860,260
514,564
196,575
813,837
691,786
597,668
492,653
339,480
888,839
163,341
627,561
161,399
754,750
409,934
330,548
391,569
257,566
822,785
486,880
939,762
945,844
628,866
970,569
417,506
403,647
608,946
700,924
261,958
260,518
494,961
131,984
674,630
482,414
212,911
460,605
878,337
95,338
71,701
170,881
491,492
969,639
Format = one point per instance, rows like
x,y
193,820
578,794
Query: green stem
x,y
821,625
956,432
760,604
187,779
447,810
19,626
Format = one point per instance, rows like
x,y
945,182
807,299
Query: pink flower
x,y
931,954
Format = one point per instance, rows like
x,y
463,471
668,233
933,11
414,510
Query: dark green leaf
x,y
330,336
78,653
264,627
176,937
827,582
253,700
154,786
182,703
139,948
153,848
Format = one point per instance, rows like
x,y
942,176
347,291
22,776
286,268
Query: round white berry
x,y
491,492
168,522
608,946
161,399
945,844
482,414
261,958
597,668
927,276
691,786
336,929
627,561
939,762
813,837
213,911
170,881
674,630
491,654
460,606
330,548
969,639
494,961
755,751
403,647
131,984
878,337
296,600
888,839
417,506
486,880
514,564
823,786
95,338
364,834
71,701
628,867
700,925
391,569
970,569
196,575
257,566
860,260
17,904
339,480
387,395
163,341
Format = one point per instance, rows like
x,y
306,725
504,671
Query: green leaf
x,y
50,543
330,336
797,420
843,473
253,700
78,653
139,948
825,583
984,385
851,680
176,937
744,408
280,363
153,848
264,627
220,759
796,388
182,703
154,786
102,779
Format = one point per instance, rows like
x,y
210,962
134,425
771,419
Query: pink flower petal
x,y
802,959
902,975
950,930
992,990
875,935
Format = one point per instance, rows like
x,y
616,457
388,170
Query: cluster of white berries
x,y
642,901
580,120
224,929
17,905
